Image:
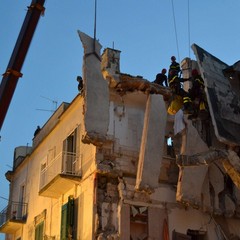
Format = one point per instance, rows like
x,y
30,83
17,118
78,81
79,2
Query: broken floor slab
x,y
224,104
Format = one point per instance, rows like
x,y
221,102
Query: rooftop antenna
x,y
189,42
95,25
95,19
54,105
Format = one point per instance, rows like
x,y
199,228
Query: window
x,y
39,222
20,210
43,173
70,152
67,220
139,222
39,231
69,144
51,154
43,166
191,234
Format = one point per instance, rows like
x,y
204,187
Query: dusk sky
x,y
147,32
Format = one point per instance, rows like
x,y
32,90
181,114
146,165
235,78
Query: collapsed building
x,y
102,166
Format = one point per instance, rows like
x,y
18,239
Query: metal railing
x,y
15,211
64,163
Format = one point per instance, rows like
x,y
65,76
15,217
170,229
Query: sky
x,y
147,32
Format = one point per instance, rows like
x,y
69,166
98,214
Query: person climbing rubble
x,y
198,96
162,78
174,66
180,96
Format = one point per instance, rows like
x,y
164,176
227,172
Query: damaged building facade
x,y
101,167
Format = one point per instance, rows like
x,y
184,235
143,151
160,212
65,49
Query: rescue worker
x,y
175,84
197,94
197,89
80,83
174,66
161,78
37,131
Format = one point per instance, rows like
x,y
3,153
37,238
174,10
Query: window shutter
x,y
39,231
67,220
64,222
70,211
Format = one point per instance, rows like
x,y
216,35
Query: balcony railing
x,y
64,163
15,212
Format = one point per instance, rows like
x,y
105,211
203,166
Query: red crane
x,y
13,71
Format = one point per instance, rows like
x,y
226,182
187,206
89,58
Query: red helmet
x,y
194,72
173,58
164,70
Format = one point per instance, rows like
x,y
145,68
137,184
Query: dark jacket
x,y
175,66
160,79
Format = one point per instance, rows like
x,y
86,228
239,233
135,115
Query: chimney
x,y
111,60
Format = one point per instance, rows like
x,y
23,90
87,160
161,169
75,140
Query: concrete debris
x,y
207,158
124,83
216,177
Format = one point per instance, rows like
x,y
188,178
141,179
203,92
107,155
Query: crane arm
x,y
13,71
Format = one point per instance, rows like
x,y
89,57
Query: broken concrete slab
x,y
153,139
189,187
96,92
224,104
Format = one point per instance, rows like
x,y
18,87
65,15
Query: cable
x,y
175,30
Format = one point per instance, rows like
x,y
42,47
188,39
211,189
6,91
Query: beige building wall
x,y
28,175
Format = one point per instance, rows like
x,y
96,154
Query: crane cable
x,y
175,28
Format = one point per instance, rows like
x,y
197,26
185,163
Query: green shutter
x,y
64,231
39,231
70,211
67,220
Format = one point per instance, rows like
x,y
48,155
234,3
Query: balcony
x,y
60,175
13,217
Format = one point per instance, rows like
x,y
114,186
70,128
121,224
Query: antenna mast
x,y
54,105
95,20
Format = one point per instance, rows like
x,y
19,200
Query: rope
x,y
175,30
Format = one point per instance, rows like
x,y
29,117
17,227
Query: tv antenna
x,y
54,105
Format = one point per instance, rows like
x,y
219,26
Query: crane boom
x,y
13,71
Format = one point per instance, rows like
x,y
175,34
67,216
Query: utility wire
x,y
175,30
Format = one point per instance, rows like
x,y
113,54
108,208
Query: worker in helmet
x,y
162,78
197,94
197,89
174,66
174,82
